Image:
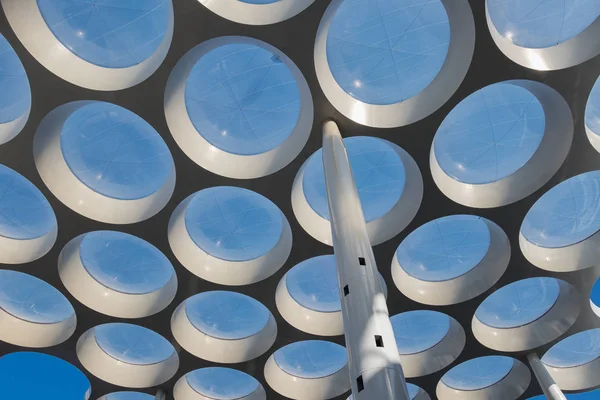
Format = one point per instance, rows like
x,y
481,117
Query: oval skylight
x,y
592,116
15,99
478,373
114,152
124,263
575,350
222,383
242,99
311,359
313,284
384,52
233,223
418,331
127,396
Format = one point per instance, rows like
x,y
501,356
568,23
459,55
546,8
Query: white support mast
x,y
374,363
549,387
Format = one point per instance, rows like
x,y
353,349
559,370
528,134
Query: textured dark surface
x,y
295,37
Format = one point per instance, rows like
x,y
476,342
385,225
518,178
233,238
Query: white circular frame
x,y
103,299
120,373
545,162
17,251
421,395
511,387
218,161
299,388
183,391
225,351
57,175
426,102
581,377
9,130
437,357
563,55
26,20
110,396
381,229
464,287
256,14
543,330
224,272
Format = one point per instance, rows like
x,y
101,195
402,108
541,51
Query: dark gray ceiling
x,y
195,24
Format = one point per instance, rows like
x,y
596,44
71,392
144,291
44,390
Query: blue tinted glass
x,y
313,284
591,395
129,396
445,248
592,109
221,383
242,99
31,299
114,152
386,51
518,303
132,344
124,262
542,23
378,172
24,211
311,359
15,97
478,373
418,331
490,134
575,350
413,391
232,223
595,294
566,214
108,33
226,315
33,376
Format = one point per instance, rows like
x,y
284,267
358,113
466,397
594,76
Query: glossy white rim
x,y
256,14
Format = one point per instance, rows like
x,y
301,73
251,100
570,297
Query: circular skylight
x,y
544,23
519,303
221,383
566,214
127,396
132,344
24,211
232,223
114,152
124,263
592,112
108,33
418,331
478,373
29,375
445,248
31,299
15,99
226,315
386,51
311,359
573,351
313,284
490,134
595,298
242,99
378,172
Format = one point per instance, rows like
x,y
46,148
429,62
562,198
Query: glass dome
x,y
490,134
541,24
226,315
445,248
313,284
30,375
478,373
386,51
418,331
311,359
242,98
592,109
573,351
378,172
221,383
31,299
566,214
108,33
519,303
24,211
15,98
114,152
232,223
124,262
132,344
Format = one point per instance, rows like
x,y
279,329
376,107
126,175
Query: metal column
x,y
549,387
